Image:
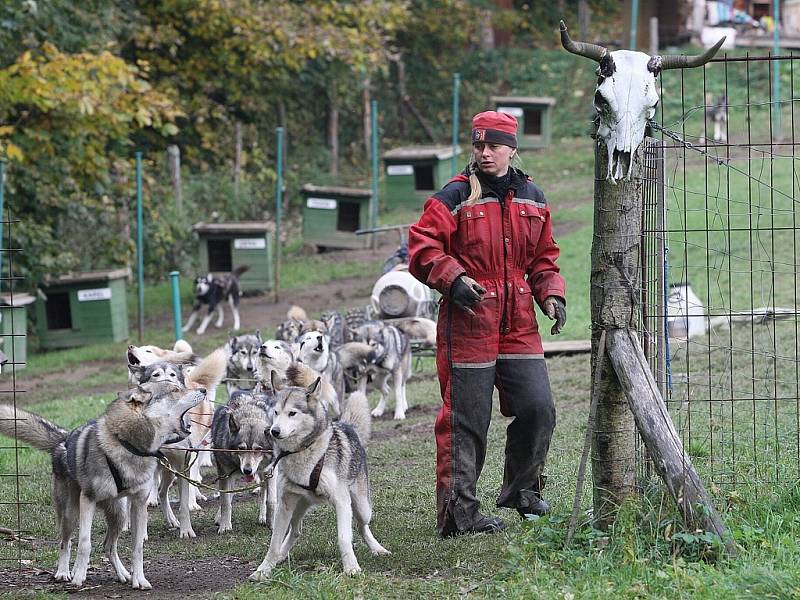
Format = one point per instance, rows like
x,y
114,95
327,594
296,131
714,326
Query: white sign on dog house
x,y
94,294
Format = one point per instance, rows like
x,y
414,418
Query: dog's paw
x,y
263,520
194,506
173,522
223,527
123,576
141,584
260,575
188,533
377,412
352,570
78,579
380,551
400,416
63,576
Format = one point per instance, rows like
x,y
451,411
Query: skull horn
x,y
592,51
679,62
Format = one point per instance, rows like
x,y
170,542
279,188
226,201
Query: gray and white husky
x,y
242,425
274,355
103,461
319,461
242,359
392,361
313,349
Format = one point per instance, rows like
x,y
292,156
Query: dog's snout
x,y
202,390
275,431
247,470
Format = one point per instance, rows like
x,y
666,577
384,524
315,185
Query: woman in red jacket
x,y
485,242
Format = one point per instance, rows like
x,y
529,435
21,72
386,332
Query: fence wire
x,y
14,552
719,268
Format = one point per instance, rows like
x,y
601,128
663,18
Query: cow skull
x,y
626,96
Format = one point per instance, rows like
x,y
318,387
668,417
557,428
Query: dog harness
x,y
121,487
313,479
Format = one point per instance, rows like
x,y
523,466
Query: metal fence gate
x,y
719,267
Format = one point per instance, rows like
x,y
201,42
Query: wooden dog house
x,y
331,215
534,117
226,246
414,173
83,308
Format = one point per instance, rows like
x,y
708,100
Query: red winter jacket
x,y
508,248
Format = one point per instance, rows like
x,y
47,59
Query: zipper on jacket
x,y
505,265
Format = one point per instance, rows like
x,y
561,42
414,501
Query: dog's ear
x,y
135,397
137,371
258,336
233,426
234,342
313,390
275,380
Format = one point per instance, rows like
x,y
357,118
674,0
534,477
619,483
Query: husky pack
x,y
211,291
319,461
100,463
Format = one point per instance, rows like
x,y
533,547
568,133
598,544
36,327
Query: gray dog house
x,y
82,309
534,115
14,329
331,215
226,246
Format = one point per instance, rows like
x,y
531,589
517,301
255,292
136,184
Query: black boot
x,y
530,502
483,524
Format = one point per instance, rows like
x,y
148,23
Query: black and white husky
x,y
211,291
319,461
102,462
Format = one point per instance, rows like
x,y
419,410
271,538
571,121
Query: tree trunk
x,y
402,90
367,98
659,435
282,121
561,5
333,129
237,157
486,32
584,17
174,162
614,304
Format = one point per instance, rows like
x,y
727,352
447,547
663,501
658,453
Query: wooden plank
x,y
658,432
567,347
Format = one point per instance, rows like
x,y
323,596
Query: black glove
x,y
466,292
556,308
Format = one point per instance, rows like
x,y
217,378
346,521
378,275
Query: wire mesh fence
x,y
13,503
719,267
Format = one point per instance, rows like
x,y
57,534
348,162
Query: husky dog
x,y
355,358
334,325
274,355
392,360
243,425
242,360
319,461
418,329
301,375
211,291
353,319
717,111
144,356
207,375
103,461
314,351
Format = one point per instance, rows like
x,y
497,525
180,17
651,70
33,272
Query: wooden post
x,y
653,36
614,305
659,435
174,162
237,157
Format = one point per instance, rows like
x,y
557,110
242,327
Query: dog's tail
x,y
301,375
297,313
356,413
30,428
352,354
237,272
182,347
209,373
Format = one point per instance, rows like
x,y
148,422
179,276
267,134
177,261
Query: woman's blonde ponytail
x,y
475,190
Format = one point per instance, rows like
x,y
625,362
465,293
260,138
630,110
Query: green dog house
x,y
227,246
14,329
413,173
534,115
331,215
82,309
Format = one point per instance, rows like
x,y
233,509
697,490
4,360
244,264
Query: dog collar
x,y
134,450
313,479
